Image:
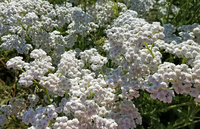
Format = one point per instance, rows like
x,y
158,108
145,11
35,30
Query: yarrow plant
x,y
79,65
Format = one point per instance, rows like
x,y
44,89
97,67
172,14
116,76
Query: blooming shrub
x,y
96,66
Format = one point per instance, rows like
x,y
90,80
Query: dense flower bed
x,y
86,65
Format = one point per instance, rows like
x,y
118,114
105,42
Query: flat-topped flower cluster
x,y
93,96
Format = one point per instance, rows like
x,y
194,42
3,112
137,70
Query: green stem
x,y
59,73
169,8
186,124
127,4
196,13
184,59
175,106
86,64
51,123
185,11
6,67
123,56
152,46
21,24
67,95
102,73
36,82
115,7
150,50
84,3
88,84
146,113
189,107
22,70
6,100
45,90
179,123
81,43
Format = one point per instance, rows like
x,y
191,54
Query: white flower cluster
x,y
96,60
186,49
17,17
52,84
33,70
70,65
64,123
3,120
131,31
140,66
169,31
26,25
15,63
14,41
163,6
103,13
182,78
190,32
89,98
15,107
127,38
185,32
128,117
90,101
33,99
159,88
41,117
150,10
142,7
